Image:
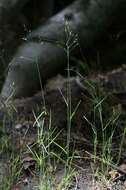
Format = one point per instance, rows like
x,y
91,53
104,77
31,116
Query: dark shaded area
x,y
59,5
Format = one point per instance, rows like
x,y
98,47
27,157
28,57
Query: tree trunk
x,y
43,55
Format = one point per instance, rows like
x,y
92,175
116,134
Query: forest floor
x,y
38,153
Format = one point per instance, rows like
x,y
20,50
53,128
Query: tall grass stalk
x,y
68,101
71,43
103,128
121,145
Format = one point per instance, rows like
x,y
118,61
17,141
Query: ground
x,y
39,152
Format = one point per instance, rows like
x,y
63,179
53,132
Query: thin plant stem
x,y
68,101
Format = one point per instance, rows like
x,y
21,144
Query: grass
x,y
49,154
104,131
14,172
47,151
71,43
45,142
